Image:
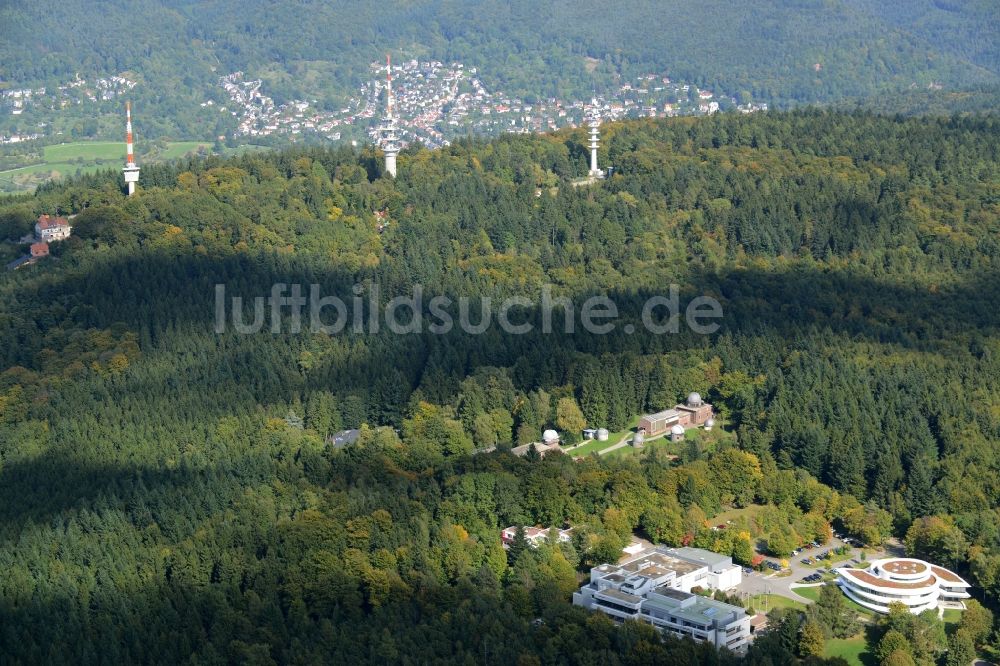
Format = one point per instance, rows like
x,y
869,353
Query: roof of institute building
x,y
904,566
904,573
865,577
948,576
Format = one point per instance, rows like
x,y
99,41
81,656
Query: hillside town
x,y
77,92
436,102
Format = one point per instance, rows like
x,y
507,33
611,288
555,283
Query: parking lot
x,y
782,582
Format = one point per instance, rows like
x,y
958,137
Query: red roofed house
x,y
39,249
50,228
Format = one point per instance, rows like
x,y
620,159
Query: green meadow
x,y
80,157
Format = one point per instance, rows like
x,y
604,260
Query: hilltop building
x,y
692,413
549,444
655,587
49,229
543,448
344,438
917,584
534,535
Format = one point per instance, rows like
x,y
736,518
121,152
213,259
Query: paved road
x,y
771,583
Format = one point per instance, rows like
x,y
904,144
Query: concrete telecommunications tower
x,y
130,171
595,123
387,130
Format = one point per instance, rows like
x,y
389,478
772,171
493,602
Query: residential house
x,y
49,229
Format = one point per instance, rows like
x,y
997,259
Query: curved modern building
x,y
917,584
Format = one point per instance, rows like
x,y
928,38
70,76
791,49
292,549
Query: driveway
x,y
769,582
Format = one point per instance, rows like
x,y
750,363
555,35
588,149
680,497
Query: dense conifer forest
x,y
170,494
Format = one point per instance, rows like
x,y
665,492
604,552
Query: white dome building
x,y
710,423
676,433
550,437
694,399
916,584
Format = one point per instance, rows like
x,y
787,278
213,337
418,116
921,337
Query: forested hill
x,y
168,493
778,51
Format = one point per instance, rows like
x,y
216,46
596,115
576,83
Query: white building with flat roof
x,y
535,535
916,584
655,587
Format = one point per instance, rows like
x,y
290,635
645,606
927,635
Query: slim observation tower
x,y
388,137
595,124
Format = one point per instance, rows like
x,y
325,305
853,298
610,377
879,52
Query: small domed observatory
x,y
677,433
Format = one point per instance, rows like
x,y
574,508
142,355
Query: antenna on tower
x,y
388,84
131,170
387,130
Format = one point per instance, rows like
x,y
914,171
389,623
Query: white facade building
x,y
917,584
49,229
535,535
655,587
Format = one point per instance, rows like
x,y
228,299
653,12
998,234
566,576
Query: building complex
x,y
49,229
656,587
535,535
914,583
692,413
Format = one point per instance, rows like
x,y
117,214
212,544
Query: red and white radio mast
x,y
130,171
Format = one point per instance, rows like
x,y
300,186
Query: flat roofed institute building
x,y
692,413
916,584
655,587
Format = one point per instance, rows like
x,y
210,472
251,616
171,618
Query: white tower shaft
x,y
389,140
593,150
595,131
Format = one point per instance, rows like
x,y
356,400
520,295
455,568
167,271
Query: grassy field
x,y
749,512
84,151
853,650
759,603
663,443
178,149
593,446
79,157
28,178
812,593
